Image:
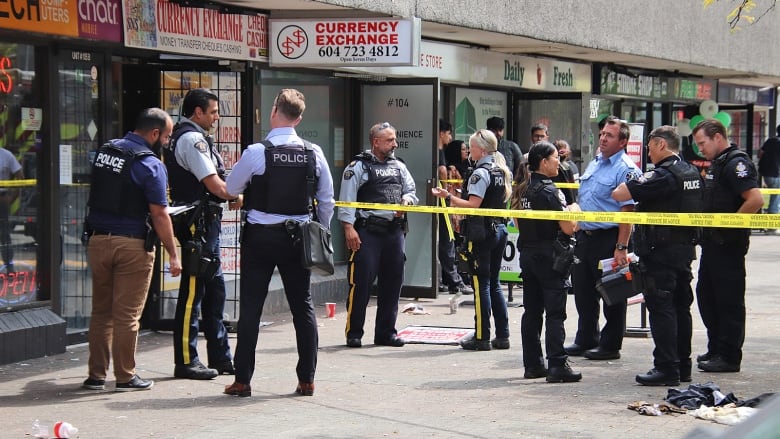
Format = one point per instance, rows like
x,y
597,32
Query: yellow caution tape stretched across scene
x,y
729,220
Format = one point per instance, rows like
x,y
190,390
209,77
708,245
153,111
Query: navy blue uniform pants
x,y
204,298
720,293
544,294
591,248
381,257
262,250
488,296
670,307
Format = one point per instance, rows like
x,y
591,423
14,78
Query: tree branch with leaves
x,y
743,11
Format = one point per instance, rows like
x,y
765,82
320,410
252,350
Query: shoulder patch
x,y
474,178
633,174
741,169
202,146
348,174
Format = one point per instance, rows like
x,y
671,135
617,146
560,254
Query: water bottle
x,y
59,430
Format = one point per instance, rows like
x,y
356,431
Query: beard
x,y
157,148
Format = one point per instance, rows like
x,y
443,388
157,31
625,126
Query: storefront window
x,y
20,123
563,118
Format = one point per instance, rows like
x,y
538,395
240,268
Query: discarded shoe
x,y
238,389
655,377
305,389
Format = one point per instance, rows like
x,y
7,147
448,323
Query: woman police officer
x,y
543,280
488,187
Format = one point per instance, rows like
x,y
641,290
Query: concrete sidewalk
x,y
416,391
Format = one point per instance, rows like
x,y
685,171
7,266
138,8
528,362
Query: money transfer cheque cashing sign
x,y
344,42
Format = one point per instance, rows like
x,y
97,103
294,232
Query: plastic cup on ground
x,y
330,310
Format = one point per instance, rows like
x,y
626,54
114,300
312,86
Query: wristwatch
x,y
621,247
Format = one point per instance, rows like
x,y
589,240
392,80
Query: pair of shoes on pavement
x,y
194,371
135,383
245,390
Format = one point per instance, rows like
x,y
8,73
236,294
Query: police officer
x,y
730,185
128,185
197,175
544,289
665,254
275,174
489,187
375,237
598,240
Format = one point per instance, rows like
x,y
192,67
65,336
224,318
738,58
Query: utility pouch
x,y
473,228
563,256
150,238
86,233
207,267
191,255
641,279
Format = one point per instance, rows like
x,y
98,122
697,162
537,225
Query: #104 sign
x,y
344,42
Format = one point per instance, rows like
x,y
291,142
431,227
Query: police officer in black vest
x,y
197,174
489,187
665,254
544,249
375,237
276,174
731,185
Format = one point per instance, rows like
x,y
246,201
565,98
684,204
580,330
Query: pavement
x,y
420,390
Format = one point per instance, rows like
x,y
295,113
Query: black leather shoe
x,y
443,288
601,354
223,368
354,342
707,356
718,364
562,374
393,341
535,372
574,350
472,344
194,371
500,343
655,377
685,371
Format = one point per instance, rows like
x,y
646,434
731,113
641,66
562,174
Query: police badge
x,y
741,169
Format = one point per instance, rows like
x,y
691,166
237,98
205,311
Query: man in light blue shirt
x,y
597,241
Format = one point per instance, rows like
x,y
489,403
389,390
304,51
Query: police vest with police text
x,y
385,183
282,188
687,198
111,170
185,187
531,230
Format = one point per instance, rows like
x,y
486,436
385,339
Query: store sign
x,y
436,60
693,89
634,145
528,73
17,286
632,84
165,26
742,95
93,19
345,42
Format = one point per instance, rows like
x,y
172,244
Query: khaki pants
x,y
121,274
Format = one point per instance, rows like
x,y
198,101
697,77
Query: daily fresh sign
x,y
345,42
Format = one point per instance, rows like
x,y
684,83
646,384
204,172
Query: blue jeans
x,y
488,296
774,199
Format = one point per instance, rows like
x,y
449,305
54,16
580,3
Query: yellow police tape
x,y
17,183
768,191
728,220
